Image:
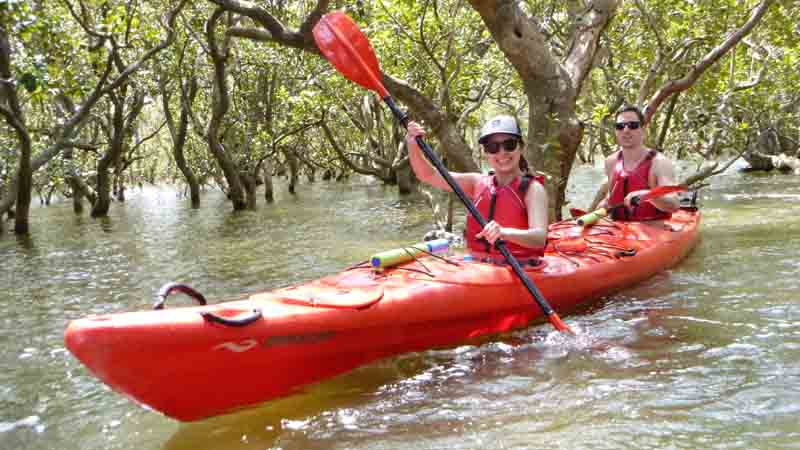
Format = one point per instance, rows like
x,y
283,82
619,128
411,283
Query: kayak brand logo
x,y
275,341
301,339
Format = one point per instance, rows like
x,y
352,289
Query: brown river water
x,y
706,355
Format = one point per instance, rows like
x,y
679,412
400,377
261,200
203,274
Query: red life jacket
x,y
623,182
508,209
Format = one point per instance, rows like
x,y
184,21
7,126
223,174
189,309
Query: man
x,y
634,170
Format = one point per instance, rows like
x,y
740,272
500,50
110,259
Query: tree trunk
x,y
662,137
103,187
73,181
766,151
119,182
179,131
406,181
294,175
25,186
10,108
80,191
766,162
221,103
102,204
77,198
8,202
552,148
2,219
269,188
249,183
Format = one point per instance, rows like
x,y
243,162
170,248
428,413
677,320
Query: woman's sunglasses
x,y
632,125
508,145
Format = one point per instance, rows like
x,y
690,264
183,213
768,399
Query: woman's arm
x,y
426,173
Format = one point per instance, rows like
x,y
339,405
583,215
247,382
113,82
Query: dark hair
x,y
627,108
523,163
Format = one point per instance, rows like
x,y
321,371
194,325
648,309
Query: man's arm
x,y
663,174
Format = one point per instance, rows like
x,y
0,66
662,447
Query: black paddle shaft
x,y
499,244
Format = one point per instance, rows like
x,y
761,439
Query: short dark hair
x,y
634,108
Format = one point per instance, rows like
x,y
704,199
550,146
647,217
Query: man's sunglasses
x,y
508,145
632,125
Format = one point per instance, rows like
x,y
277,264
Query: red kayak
x,y
195,362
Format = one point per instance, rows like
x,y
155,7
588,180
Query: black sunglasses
x,y
632,125
508,145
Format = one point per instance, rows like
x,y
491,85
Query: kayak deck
x,y
306,333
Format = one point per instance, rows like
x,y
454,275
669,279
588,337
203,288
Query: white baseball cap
x,y
499,124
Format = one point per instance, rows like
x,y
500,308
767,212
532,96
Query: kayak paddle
x,y
344,45
587,219
576,212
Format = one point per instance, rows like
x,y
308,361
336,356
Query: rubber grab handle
x,y
244,320
169,288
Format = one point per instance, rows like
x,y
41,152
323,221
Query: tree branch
x,y
343,157
301,39
675,86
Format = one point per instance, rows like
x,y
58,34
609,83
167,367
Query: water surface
x,y
702,356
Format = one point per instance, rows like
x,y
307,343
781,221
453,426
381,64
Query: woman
x,y
513,202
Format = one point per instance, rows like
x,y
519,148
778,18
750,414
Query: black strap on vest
x,y
625,210
524,184
650,155
492,207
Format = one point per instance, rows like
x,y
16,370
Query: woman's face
x,y
503,160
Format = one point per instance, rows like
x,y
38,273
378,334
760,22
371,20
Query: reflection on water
x,y
704,356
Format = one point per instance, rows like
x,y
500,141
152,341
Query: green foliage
x,y
441,48
689,30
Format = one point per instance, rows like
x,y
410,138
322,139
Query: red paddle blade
x,y
559,324
575,212
344,45
661,191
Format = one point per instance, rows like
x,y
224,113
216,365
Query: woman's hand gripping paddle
x,y
348,50
585,219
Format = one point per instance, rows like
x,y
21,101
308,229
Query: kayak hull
x,y
188,367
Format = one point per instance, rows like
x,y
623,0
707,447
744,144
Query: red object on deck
x,y
188,367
